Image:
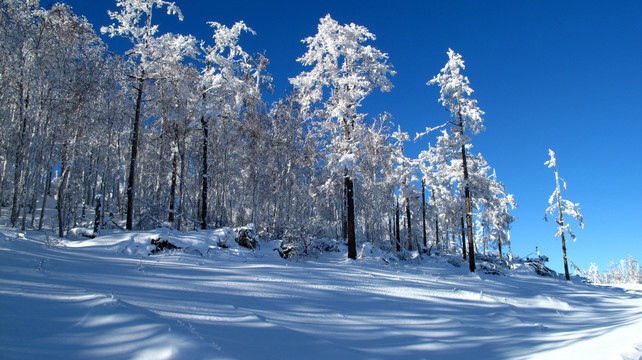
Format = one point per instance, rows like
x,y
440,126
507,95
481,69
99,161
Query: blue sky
x,y
563,75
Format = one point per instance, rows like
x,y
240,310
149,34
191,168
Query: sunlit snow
x,y
106,298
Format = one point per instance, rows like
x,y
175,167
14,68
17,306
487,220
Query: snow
x,y
107,298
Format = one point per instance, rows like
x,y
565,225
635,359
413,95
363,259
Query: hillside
x,y
107,298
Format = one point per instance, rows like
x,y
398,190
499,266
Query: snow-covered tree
x,y
150,53
52,69
455,91
558,207
377,177
226,87
344,72
594,274
404,171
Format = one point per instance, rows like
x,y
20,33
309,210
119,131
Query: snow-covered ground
x,y
105,298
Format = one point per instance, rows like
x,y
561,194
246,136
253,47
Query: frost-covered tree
x,y
52,70
594,274
495,205
626,271
150,53
442,175
166,141
344,71
558,207
404,172
377,177
226,88
467,117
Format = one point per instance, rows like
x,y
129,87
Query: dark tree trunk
x,y
352,241
499,247
560,222
469,213
97,220
566,273
469,206
61,201
204,191
172,192
408,224
131,181
463,238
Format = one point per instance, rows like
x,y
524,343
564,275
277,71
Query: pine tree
x,y
558,207
466,115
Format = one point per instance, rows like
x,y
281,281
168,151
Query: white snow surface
x,y
106,298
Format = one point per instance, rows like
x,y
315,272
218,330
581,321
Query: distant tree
x,y
344,72
633,273
558,207
594,274
467,116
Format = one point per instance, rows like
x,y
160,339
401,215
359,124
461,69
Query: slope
x,y
107,298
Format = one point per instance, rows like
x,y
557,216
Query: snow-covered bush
x,y
538,264
292,246
246,237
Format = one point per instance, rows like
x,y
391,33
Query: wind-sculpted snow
x,y
106,298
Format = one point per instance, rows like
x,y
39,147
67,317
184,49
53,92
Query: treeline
x,y
626,271
176,131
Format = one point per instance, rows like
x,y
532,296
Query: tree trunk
x,y
566,273
131,181
469,213
463,237
397,232
423,210
408,224
436,219
560,222
2,181
204,191
344,212
17,177
172,192
181,186
352,241
61,201
97,219
44,198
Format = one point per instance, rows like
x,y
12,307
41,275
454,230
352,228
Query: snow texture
x,y
107,298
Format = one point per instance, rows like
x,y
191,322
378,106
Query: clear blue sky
x,y
564,75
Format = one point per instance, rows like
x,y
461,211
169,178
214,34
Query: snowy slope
x,y
106,298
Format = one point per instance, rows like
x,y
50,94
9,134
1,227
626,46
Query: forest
x,y
175,132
